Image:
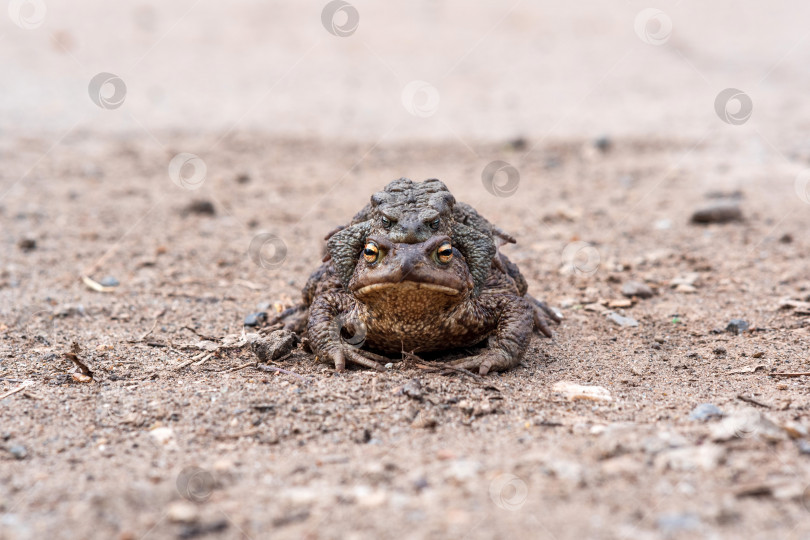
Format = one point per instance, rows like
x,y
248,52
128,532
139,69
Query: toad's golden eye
x,y
371,252
445,253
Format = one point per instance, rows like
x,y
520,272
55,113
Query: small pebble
x,y
719,351
426,419
109,281
624,322
638,289
255,319
163,435
243,178
201,207
670,524
603,143
705,411
804,446
413,389
737,326
182,512
389,365
685,288
420,483
719,212
519,144
18,451
276,345
27,244
573,391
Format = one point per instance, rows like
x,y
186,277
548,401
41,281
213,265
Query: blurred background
x,y
493,71
155,155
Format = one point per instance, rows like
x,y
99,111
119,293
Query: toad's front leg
x,y
509,341
336,334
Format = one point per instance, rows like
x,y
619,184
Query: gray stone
x,y
719,212
18,451
705,411
276,345
413,389
624,322
737,326
109,281
637,289
255,319
674,523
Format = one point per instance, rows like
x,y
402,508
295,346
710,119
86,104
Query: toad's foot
x,y
491,360
543,316
344,353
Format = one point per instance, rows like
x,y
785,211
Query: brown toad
x,y
417,271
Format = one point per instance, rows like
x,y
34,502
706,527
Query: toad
x,y
417,271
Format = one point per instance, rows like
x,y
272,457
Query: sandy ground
x,y
296,128
354,455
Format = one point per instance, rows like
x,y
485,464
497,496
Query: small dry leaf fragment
x,y
73,356
95,285
746,370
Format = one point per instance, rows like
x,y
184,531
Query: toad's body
x,y
416,271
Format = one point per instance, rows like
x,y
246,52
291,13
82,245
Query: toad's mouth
x,y
405,286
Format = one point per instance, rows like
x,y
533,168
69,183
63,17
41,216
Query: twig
x,y
753,401
184,364
207,338
23,386
143,337
11,380
237,368
204,359
800,374
281,370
